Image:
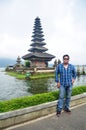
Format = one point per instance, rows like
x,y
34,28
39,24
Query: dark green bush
x,y
28,101
78,90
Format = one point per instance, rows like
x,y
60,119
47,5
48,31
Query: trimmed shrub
x,y
28,101
78,90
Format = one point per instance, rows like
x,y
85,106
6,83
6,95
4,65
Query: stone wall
x,y
27,114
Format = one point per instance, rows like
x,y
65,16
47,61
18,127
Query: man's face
x,y
65,60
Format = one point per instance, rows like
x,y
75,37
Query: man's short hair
x,y
66,55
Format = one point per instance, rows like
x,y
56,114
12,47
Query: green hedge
x,y
28,101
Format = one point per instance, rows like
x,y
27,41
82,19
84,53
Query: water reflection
x,y
46,85
37,86
49,84
10,87
80,80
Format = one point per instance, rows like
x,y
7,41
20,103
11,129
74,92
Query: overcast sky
x,y
63,23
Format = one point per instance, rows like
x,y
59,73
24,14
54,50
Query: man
x,y
65,77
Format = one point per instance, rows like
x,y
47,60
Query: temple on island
x,y
38,56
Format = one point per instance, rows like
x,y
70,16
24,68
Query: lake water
x,y
10,87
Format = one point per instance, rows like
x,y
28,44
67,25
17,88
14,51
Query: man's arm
x,y
56,76
74,74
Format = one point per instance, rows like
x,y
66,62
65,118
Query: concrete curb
x,y
22,115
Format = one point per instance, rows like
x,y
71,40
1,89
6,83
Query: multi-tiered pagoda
x,y
38,55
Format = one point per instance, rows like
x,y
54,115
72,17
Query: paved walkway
x,y
74,121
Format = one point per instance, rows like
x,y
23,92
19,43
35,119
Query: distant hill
x,y
4,62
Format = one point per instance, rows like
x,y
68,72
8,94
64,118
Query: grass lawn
x,y
34,76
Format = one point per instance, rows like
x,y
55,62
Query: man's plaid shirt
x,y
65,75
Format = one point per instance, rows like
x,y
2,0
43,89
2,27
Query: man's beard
x,y
66,63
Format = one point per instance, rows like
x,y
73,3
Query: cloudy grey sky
x,y
63,22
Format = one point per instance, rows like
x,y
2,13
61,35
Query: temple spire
x,y
38,55
37,38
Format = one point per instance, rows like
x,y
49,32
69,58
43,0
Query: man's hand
x,y
58,84
73,80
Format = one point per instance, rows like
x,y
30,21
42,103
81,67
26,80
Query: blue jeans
x,y
64,91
